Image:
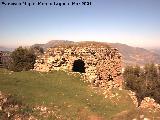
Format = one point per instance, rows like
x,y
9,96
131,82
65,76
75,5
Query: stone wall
x,y
101,62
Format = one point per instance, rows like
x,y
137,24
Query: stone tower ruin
x,y
98,62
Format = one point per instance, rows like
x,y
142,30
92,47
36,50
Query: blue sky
x,y
132,22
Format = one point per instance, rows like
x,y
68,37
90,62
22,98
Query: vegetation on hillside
x,y
22,59
144,81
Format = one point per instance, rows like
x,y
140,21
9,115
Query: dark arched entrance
x,y
78,66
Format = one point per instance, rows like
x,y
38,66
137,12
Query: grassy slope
x,y
73,97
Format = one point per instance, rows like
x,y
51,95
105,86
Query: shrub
x,y
145,82
22,59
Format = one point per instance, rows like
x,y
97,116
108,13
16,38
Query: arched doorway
x,y
78,66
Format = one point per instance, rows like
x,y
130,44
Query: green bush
x,y
144,81
23,59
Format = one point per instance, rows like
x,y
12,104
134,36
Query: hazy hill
x,y
156,50
53,43
131,55
136,55
6,48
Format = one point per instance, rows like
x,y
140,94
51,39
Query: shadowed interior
x,y
78,66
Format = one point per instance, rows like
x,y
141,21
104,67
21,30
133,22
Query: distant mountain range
x,y
156,50
6,48
136,55
131,55
53,43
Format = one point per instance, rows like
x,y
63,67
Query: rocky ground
x,y
13,109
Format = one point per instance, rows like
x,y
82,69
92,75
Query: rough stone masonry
x,y
98,62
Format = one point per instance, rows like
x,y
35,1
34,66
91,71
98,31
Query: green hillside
x,y
66,95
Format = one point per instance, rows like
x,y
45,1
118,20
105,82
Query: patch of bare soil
x,y
94,117
120,116
84,114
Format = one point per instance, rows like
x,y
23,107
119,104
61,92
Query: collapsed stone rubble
x,y
101,62
133,97
146,103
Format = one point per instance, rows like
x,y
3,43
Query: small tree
x,y
145,82
151,72
132,77
22,59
